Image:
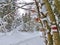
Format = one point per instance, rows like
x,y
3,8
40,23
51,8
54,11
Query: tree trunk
x,y
53,21
56,2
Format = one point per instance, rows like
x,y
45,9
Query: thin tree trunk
x,y
49,36
39,16
37,6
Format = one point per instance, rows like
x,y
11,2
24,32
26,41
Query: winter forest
x,y
29,22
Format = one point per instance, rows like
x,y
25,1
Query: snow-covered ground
x,y
21,38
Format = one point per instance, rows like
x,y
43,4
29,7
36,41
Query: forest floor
x,y
21,38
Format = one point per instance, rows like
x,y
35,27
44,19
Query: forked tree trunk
x,y
53,21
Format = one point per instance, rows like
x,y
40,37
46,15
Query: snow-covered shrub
x,y
26,27
2,26
17,22
30,26
9,19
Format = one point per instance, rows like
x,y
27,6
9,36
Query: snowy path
x,y
22,38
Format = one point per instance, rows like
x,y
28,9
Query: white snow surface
x,y
21,38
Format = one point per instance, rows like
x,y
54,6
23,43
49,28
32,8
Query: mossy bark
x,y
50,41
57,4
50,12
53,21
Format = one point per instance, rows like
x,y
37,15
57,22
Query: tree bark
x,y
53,21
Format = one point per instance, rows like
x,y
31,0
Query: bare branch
x,y
27,4
25,9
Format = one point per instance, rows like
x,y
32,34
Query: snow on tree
x,y
2,25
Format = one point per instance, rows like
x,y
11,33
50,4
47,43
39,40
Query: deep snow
x,y
21,38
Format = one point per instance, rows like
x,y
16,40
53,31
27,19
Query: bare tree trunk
x,y
39,16
37,5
